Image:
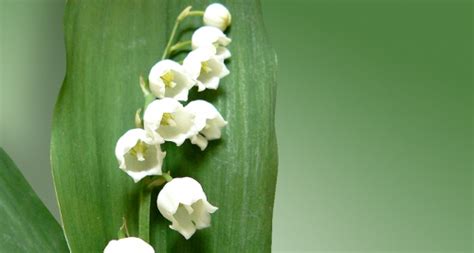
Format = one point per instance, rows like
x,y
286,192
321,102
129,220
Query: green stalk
x,y
185,13
144,215
145,194
170,41
196,13
180,45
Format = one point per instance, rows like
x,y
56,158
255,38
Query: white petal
x,y
128,245
204,109
201,86
209,35
154,113
127,142
218,16
179,131
183,222
184,191
155,110
225,71
208,121
212,131
200,141
178,202
223,53
219,70
141,164
181,84
201,215
194,62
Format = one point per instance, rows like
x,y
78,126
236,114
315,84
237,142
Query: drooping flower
x,y
169,79
128,245
206,67
167,120
209,35
139,155
217,15
183,202
208,122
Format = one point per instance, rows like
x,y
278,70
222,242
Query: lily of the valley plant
x,y
168,117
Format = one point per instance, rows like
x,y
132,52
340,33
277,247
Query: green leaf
x,y
26,225
109,45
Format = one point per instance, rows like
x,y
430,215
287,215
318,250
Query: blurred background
x,y
374,118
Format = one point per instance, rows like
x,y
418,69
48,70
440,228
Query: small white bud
x,y
217,15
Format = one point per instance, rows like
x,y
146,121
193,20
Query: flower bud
x,y
218,16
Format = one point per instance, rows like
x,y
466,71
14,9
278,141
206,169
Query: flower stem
x,y
196,13
180,45
145,193
173,33
123,231
146,92
144,215
184,14
156,183
148,99
167,176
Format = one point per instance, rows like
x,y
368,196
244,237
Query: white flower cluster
x,y
182,200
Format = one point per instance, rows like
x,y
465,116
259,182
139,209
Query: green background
x,y
374,118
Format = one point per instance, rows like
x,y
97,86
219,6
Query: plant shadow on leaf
x,y
188,156
210,96
197,242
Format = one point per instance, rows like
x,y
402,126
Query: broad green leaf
x,y
109,44
26,225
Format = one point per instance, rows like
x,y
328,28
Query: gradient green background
x,y
374,118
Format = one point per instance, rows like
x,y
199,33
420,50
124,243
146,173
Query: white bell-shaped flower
x,y
209,35
139,155
208,122
167,120
169,79
206,67
217,15
183,202
128,245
